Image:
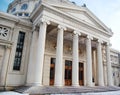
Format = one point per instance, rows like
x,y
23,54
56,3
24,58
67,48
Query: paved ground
x,y
98,93
11,93
35,90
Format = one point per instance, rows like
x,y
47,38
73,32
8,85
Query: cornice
x,y
15,19
97,20
114,51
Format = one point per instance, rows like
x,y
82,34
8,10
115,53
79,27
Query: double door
x,y
67,73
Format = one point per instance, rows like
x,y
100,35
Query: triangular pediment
x,y
81,13
86,16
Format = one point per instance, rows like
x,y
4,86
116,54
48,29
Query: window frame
x,y
19,51
24,6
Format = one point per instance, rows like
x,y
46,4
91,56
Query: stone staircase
x,y
64,90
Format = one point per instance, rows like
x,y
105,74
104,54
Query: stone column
x,y
100,64
109,68
75,65
59,57
88,61
32,57
40,52
5,65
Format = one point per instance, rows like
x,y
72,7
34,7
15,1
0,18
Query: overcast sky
x,y
108,11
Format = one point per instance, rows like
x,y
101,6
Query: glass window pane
x,y
24,7
19,50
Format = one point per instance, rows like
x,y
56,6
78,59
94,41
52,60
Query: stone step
x,y
64,90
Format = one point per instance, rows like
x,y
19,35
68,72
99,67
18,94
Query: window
x,y
19,14
19,50
26,14
52,69
24,7
68,70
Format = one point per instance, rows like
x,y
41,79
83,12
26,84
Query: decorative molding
x,y
77,32
44,21
4,33
62,27
89,37
100,41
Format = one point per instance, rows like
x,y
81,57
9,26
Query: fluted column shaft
x,y
100,64
109,68
40,52
75,65
59,57
88,61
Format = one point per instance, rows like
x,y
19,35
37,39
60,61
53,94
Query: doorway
x,y
52,71
68,73
81,74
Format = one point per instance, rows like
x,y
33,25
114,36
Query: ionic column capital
x,y
89,37
61,27
76,33
108,44
42,20
99,41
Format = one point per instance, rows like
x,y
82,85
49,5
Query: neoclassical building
x,y
54,43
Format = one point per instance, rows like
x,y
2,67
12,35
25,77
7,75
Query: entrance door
x,y
68,72
81,73
52,71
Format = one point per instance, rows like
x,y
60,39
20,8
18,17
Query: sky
x,y
108,11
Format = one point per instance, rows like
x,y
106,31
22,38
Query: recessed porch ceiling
x,y
68,35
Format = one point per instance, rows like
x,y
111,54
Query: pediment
x,y
81,13
86,16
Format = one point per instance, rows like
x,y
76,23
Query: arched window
x,y
24,7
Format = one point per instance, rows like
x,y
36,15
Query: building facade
x,y
115,61
53,43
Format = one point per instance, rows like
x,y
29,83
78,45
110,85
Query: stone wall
x,y
2,50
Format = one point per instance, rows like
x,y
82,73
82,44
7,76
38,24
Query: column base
x,y
110,85
90,85
59,85
101,85
75,85
33,84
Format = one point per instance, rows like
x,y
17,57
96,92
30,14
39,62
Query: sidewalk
x,y
11,93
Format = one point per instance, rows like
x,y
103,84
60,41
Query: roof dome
x,y
22,8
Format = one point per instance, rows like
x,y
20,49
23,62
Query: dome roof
x,y
22,8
